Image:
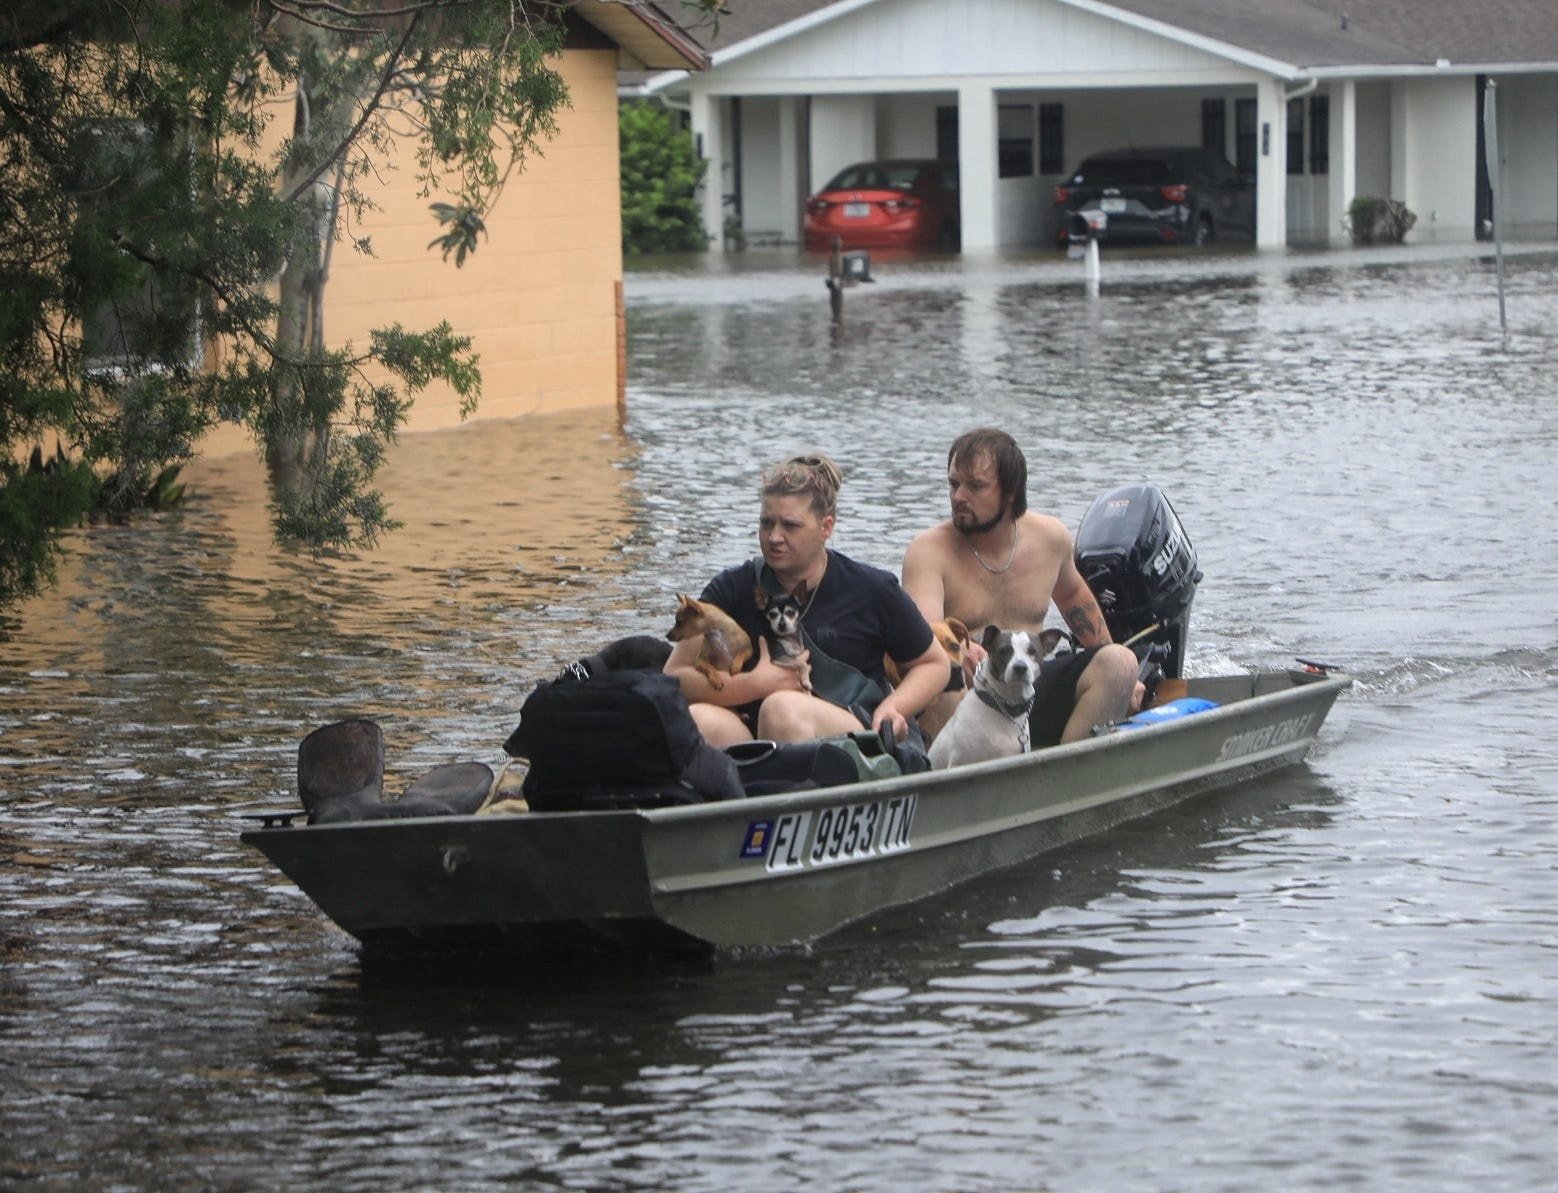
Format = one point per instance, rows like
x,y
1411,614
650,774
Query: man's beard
x,y
980,527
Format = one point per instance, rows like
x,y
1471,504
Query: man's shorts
x,y
1055,696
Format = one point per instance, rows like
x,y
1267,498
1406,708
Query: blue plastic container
x,y
1172,711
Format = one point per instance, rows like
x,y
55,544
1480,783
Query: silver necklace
x,y
1005,567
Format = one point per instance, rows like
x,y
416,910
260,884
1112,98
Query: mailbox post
x,y
845,269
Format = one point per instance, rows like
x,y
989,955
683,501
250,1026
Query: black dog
x,y
639,652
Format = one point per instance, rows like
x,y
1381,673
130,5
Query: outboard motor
x,y
1136,557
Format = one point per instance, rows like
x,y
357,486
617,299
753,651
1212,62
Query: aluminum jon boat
x,y
779,869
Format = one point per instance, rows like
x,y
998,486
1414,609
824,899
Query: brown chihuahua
x,y
951,633
726,647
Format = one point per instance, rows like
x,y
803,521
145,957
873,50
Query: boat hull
x,y
782,869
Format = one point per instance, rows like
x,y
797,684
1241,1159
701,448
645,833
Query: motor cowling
x,y
1133,551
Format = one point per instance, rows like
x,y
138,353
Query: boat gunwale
x,y
1303,688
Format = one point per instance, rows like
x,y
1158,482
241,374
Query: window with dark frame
x,y
1319,134
1295,136
947,133
1244,142
1014,140
1052,138
1214,125
133,329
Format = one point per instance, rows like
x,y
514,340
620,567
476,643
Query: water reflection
x,y
1338,974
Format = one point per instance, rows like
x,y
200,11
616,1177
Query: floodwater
x,y
1344,975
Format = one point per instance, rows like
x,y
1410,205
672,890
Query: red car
x,y
892,204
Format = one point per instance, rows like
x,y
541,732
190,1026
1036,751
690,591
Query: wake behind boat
x,y
790,867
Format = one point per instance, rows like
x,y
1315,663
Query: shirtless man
x,y
995,562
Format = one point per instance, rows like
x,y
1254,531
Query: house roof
x,y
1307,35
645,32
1315,34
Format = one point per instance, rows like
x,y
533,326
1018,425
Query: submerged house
x,y
1320,101
542,297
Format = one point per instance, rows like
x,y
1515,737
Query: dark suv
x,y
1173,195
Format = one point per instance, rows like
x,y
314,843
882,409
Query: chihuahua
x,y
726,647
783,613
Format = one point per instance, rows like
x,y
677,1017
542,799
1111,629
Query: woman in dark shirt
x,y
854,614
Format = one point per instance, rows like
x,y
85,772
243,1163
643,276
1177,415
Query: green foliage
x,y
1375,220
463,227
142,223
38,502
660,175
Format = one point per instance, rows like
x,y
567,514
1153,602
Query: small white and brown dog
x,y
991,721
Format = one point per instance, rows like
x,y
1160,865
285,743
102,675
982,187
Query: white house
x,y
1322,100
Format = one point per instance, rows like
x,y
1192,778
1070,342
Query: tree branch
x,y
370,106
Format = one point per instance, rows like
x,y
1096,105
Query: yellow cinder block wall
x,y
538,297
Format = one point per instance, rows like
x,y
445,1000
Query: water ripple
x,y
1340,975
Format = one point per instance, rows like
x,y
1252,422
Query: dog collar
x,y
1012,710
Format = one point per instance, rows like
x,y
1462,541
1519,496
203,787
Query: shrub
x,y
660,175
1372,220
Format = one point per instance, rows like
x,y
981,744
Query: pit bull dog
x,y
991,721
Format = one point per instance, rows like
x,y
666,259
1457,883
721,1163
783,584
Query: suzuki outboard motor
x,y
1140,564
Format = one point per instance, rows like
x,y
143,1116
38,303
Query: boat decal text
x,y
1279,733
822,836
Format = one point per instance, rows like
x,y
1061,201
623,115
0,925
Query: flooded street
x,y
1342,975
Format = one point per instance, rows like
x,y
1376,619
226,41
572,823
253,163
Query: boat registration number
x,y
857,211
822,836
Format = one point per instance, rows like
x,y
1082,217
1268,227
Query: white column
x,y
977,166
1343,133
706,135
1399,128
791,187
1271,165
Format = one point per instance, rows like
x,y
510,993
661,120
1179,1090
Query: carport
x,y
1018,91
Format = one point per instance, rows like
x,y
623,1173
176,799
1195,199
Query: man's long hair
x,y
1011,467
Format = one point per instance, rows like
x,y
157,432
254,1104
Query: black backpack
x,y
622,739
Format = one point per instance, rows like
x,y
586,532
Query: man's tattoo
x,y
1081,620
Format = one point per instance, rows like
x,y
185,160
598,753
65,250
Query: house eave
x,y
1423,70
645,33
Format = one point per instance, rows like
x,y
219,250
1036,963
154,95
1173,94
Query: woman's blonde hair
x,y
813,476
